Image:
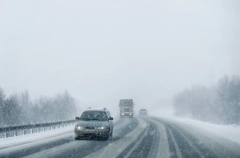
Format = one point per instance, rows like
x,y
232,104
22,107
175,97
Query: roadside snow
x,y
13,141
230,132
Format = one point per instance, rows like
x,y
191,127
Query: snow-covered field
x,y
13,141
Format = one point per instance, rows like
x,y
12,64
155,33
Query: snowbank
x,y
13,141
230,132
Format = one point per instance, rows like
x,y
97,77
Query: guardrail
x,y
17,130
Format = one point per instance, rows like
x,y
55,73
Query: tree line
x,y
19,109
219,103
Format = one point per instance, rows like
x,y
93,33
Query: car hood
x,y
92,123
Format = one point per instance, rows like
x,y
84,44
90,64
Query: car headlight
x,y
79,127
122,113
102,127
130,114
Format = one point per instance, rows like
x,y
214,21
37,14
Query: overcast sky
x,y
102,51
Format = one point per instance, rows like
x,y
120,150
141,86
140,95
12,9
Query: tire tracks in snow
x,y
183,144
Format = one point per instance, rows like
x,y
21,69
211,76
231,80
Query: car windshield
x,y
94,115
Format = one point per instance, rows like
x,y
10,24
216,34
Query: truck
x,y
126,108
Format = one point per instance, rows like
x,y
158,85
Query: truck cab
x,y
126,108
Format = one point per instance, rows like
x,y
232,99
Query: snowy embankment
x,y
13,141
230,132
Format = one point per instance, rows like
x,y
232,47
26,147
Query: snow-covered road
x,y
230,132
139,137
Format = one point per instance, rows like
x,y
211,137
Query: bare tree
x,y
11,111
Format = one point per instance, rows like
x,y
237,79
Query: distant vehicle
x,y
94,122
143,112
126,108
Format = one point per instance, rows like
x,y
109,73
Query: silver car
x,y
143,112
94,122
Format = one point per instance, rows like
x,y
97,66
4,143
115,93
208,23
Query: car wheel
x,y
78,137
106,137
111,133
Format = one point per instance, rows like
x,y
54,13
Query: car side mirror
x,y
77,118
110,118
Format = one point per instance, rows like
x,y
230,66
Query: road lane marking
x,y
179,154
163,148
135,146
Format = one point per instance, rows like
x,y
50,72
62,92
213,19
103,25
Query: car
x,y
94,122
143,112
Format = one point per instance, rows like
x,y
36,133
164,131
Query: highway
x,y
140,137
